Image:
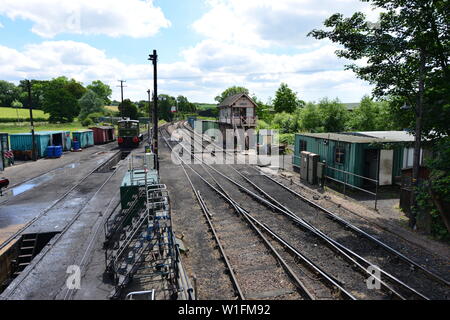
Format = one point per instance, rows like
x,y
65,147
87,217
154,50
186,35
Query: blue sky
x,y
204,46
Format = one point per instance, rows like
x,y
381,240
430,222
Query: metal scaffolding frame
x,y
140,247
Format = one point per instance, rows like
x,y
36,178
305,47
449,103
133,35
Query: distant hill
x,y
205,106
112,108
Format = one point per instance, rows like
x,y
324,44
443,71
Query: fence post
x,y
345,183
376,195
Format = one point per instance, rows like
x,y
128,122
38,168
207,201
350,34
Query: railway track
x,y
244,250
77,188
304,274
348,236
395,267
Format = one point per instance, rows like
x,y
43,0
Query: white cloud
x,y
206,70
114,18
263,23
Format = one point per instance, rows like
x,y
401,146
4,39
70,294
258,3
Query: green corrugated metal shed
x,y
355,147
67,143
85,137
23,142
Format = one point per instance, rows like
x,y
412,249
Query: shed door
x,y
1,156
386,167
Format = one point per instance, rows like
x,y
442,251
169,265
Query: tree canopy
x,y
286,100
231,92
90,102
8,93
128,110
409,34
103,91
61,99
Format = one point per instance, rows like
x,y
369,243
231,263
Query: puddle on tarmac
x,y
33,183
72,165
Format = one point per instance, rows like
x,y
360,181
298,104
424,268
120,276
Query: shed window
x,y
302,145
339,154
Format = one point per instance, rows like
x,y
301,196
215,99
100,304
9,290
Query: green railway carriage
x,y
361,154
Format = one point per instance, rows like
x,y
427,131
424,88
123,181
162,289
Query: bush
x,y
425,205
287,138
263,125
87,122
94,116
285,123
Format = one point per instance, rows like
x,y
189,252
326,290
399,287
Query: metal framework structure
x,y
141,250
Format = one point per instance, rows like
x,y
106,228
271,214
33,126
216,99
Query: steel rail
x,y
316,268
284,264
213,230
57,238
245,214
347,253
331,242
17,233
359,231
278,207
355,255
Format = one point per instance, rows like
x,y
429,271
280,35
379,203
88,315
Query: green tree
x,y
407,54
74,87
285,123
373,116
8,93
264,111
129,110
143,108
59,101
286,100
102,90
231,92
334,115
365,116
310,119
37,93
90,103
440,180
165,103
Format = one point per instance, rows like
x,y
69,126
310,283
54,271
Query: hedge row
x,y
12,120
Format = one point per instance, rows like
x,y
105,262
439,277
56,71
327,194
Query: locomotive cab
x,y
129,135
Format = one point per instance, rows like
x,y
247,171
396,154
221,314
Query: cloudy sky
x,y
204,46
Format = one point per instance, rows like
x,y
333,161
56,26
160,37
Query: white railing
x,y
241,121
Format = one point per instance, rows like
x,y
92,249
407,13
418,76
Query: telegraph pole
x,y
33,138
121,91
154,58
149,114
